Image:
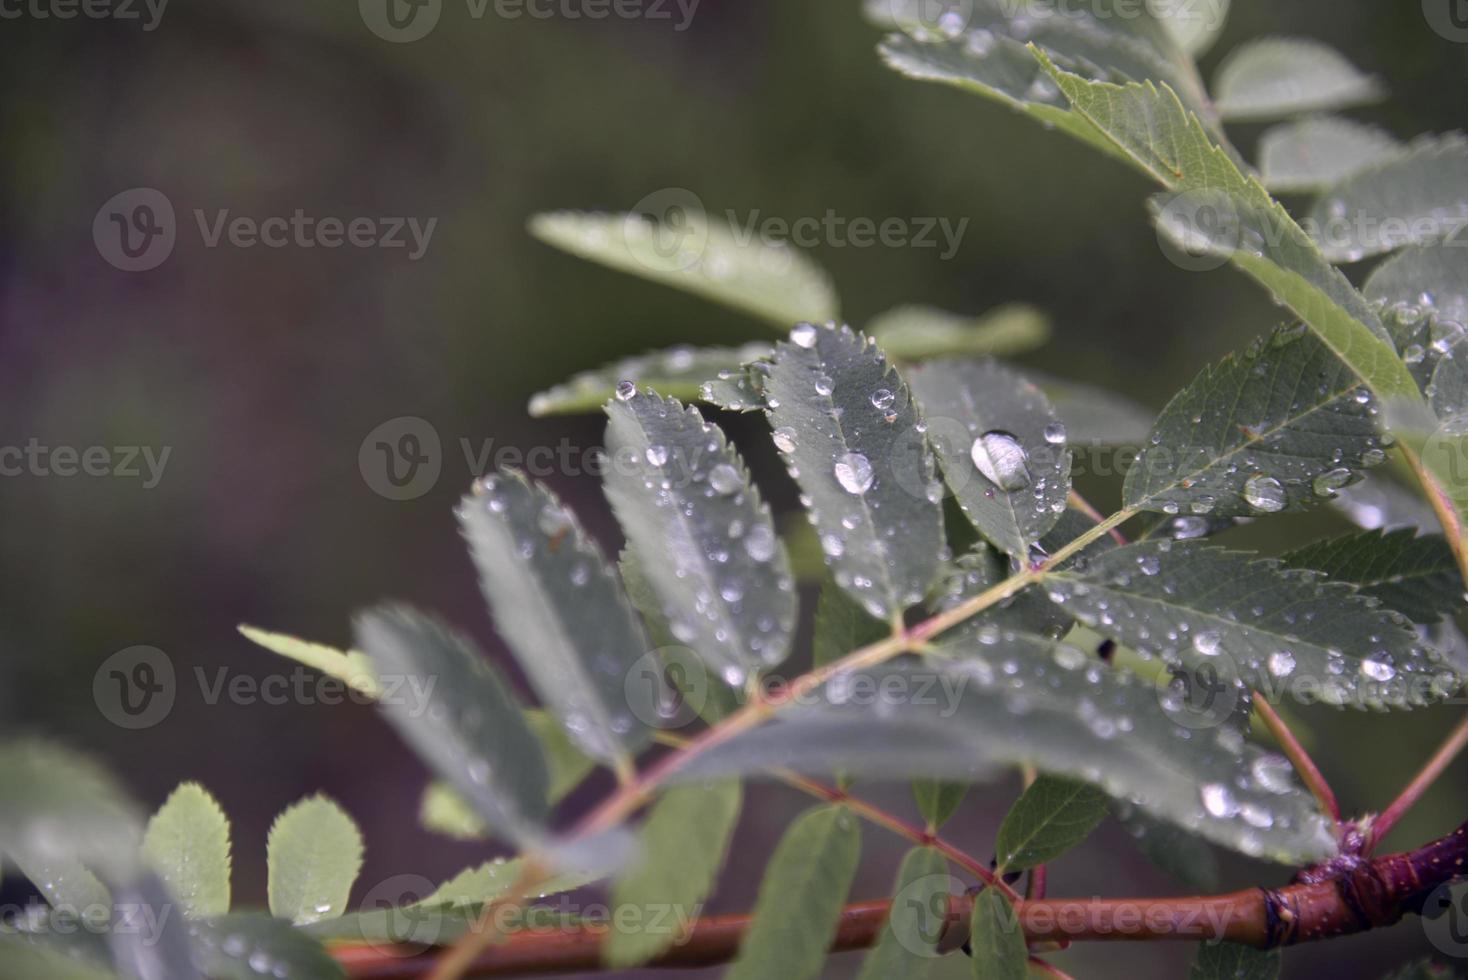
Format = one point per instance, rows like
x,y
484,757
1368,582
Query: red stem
x,y
1419,785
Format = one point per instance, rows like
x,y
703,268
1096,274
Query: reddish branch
x,y
1321,904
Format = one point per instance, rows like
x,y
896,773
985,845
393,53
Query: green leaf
x,y
842,626
995,937
1230,961
443,811
683,248
234,947
1416,576
1254,622
188,842
65,883
684,842
907,946
560,609
1406,282
1002,449
454,711
848,429
1274,77
1309,155
484,883
915,333
937,800
1448,391
703,536
351,667
569,767
977,572
1279,427
679,372
1416,197
1185,856
58,808
800,899
1026,699
313,854
1194,25
23,957
1051,817
1155,131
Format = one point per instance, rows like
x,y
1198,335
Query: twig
x,y
1373,895
1295,752
1419,785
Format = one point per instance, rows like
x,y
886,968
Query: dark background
x,y
263,370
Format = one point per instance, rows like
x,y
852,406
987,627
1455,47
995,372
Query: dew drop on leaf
x,y
725,479
1264,493
854,473
1002,460
804,335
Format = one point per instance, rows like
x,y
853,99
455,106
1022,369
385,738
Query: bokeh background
x,y
262,370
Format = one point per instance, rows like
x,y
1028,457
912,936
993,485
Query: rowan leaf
x,y
685,840
1255,622
684,248
1274,77
1416,576
937,800
188,843
1002,448
1028,699
461,720
313,855
996,940
560,609
907,946
800,898
917,333
1051,817
1195,25
848,429
1415,197
351,667
704,537
1279,427
679,372
1311,154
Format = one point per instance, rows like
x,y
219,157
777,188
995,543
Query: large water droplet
x,y
804,335
1055,433
1265,493
1282,663
854,473
883,398
1002,460
625,391
657,455
1218,801
785,439
725,479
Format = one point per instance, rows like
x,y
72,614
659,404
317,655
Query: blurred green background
x,y
262,370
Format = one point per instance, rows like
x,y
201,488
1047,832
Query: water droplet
x,y
854,473
1378,670
760,542
1282,663
883,398
657,455
804,335
1265,493
785,439
1218,801
1326,484
1055,433
1207,643
1002,460
1186,528
725,479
